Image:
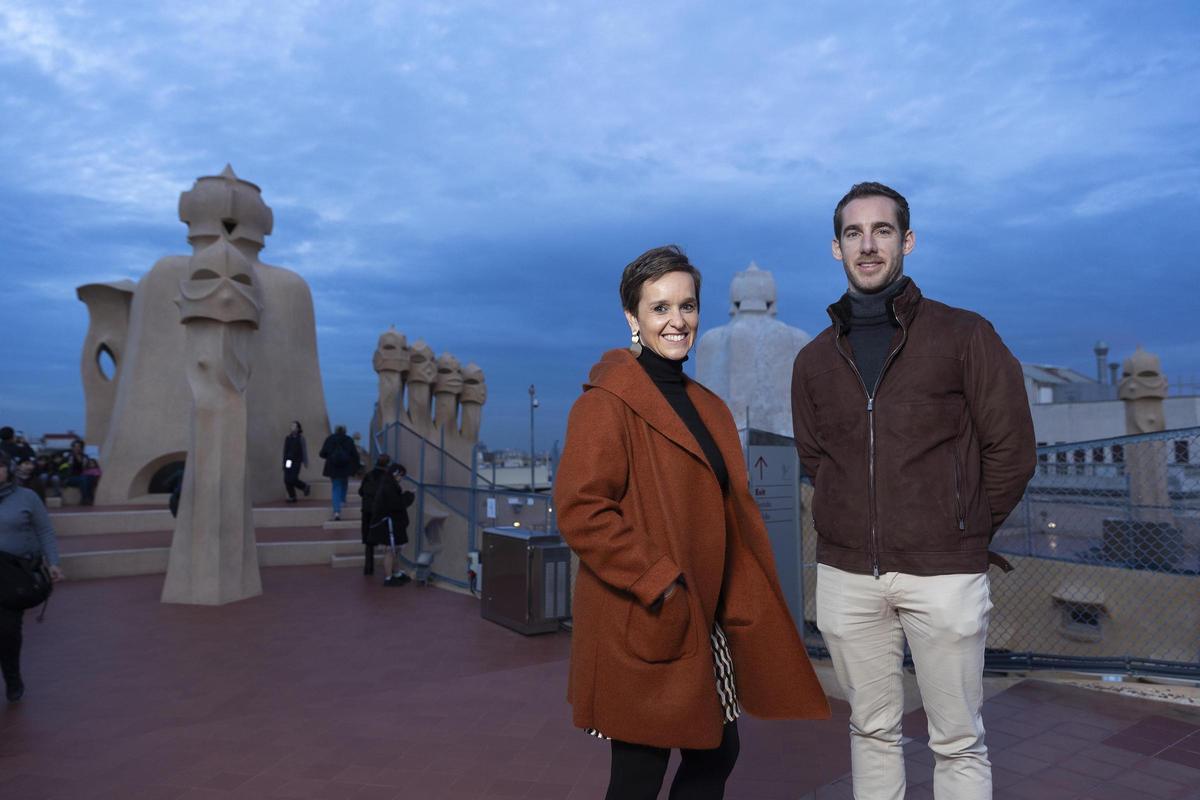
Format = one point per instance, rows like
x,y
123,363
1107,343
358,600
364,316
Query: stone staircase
x,y
102,542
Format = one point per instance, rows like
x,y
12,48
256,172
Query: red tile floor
x,y
330,686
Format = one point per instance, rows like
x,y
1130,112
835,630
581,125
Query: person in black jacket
x,y
295,456
390,521
341,461
367,490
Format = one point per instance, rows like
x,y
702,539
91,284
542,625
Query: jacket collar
x,y
619,373
902,309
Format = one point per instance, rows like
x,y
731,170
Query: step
x,y
342,524
83,523
153,560
322,489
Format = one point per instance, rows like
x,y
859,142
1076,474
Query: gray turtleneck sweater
x,y
25,528
871,329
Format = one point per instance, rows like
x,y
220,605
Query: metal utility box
x,y
528,585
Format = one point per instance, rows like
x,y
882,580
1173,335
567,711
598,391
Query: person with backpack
x,y
341,461
27,547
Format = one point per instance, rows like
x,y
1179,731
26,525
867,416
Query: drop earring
x,y
636,346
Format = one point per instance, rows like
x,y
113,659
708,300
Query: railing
x,y
440,478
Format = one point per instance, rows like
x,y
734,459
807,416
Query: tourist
x,y
295,456
911,419
366,490
26,475
676,590
76,466
341,461
25,531
389,521
14,446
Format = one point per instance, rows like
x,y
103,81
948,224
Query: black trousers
x,y
292,482
10,644
638,770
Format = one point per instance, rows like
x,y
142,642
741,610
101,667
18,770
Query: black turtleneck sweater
x,y
872,326
668,377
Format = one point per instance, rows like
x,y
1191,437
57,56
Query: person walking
x,y
679,618
25,532
295,456
911,419
389,521
341,461
366,490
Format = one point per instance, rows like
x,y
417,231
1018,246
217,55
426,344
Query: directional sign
x,y
775,485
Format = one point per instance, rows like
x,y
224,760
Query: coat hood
x,y
619,373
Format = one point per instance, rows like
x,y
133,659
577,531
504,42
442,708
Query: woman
x,y
24,531
295,456
679,620
389,521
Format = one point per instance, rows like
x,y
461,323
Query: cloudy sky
x,y
478,173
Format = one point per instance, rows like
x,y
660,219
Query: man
x,y
911,418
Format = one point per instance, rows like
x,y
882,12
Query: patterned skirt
x,y
723,670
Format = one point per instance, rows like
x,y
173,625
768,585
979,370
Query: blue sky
x,y
478,173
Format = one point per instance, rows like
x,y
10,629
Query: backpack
x,y
340,457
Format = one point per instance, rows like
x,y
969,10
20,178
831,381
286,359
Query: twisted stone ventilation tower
x,y
436,398
145,397
748,361
1143,389
214,557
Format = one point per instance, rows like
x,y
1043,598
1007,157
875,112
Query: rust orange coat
x,y
638,502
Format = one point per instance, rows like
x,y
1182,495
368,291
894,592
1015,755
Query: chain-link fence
x,y
1105,546
1106,550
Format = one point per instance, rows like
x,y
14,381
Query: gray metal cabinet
x,y
528,583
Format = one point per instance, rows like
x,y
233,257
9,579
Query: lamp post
x,y
533,403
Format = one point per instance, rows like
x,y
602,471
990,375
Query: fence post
x,y
473,505
420,541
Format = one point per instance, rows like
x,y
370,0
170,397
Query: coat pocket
x,y
662,634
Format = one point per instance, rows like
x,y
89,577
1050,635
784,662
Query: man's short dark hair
x,y
6,433
650,266
871,189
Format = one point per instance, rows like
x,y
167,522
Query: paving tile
x,y
1066,781
1136,744
1178,755
1152,785
137,699
1018,762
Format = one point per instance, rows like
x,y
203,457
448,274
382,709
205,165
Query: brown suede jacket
x,y
917,473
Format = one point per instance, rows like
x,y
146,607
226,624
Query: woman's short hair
x,y
299,427
650,266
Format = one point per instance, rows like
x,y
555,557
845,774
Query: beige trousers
x,y
865,621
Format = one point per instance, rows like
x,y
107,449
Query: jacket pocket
x,y
662,634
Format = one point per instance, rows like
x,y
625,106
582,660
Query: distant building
x,y
1068,406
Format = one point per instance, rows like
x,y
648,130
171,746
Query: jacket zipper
x,y
871,433
958,507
